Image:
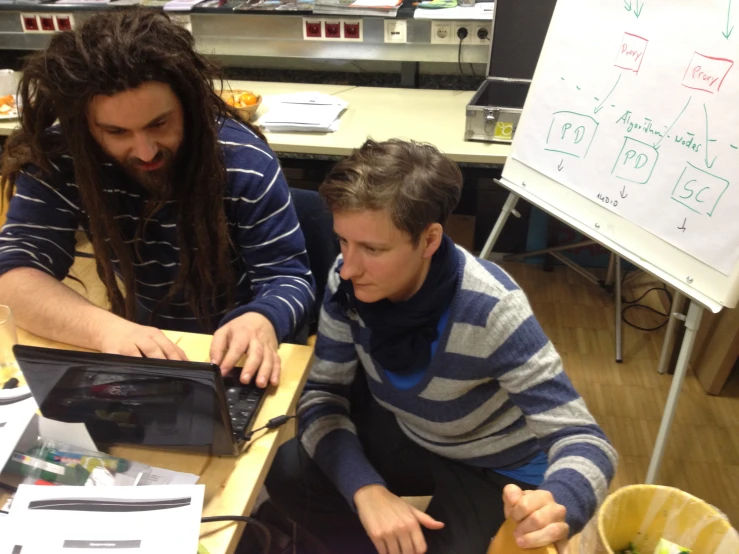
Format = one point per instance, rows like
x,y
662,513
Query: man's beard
x,y
158,182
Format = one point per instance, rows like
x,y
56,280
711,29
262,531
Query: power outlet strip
x,y
479,33
333,29
46,22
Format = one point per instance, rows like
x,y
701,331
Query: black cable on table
x,y
273,423
244,519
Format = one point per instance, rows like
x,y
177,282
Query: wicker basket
x,y
248,112
643,514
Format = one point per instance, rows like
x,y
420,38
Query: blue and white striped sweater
x,y
494,395
271,265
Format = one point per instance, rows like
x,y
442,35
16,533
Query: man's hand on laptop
x,y
132,339
251,334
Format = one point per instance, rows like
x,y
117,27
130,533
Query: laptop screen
x,y
124,400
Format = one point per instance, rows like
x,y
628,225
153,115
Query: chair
x,y
321,243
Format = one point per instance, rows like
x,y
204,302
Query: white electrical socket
x,y
441,32
476,28
469,39
396,30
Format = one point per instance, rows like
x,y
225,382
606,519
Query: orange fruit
x,y
248,99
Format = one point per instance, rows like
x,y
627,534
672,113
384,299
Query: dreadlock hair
x,y
109,54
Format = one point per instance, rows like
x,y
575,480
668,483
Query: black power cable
x,y
273,423
461,34
245,519
634,304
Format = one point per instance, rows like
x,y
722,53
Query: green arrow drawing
x,y
638,9
727,32
709,166
657,144
600,106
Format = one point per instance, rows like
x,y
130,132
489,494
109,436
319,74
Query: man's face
x,y
381,260
141,129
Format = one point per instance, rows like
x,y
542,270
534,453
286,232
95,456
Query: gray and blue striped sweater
x,y
270,262
494,395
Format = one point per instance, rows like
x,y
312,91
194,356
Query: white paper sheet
x,y
634,106
181,5
160,476
375,4
81,2
84,520
304,111
14,419
480,11
70,433
3,528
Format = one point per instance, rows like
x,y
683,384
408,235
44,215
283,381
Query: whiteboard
x,y
630,132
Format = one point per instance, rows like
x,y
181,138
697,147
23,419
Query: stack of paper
x,y
80,2
14,419
3,520
181,5
480,11
303,111
355,8
146,520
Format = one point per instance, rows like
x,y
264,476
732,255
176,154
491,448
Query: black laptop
x,y
142,401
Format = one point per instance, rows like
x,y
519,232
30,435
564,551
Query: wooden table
x,y
231,484
434,116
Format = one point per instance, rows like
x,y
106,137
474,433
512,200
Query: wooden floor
x,y
627,399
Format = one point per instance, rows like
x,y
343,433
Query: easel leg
x,y
692,322
508,209
618,322
670,332
609,272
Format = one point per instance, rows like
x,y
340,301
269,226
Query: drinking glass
x,y
8,337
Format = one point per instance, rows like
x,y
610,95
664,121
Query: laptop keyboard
x,y
243,403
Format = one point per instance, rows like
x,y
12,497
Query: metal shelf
x,y
268,36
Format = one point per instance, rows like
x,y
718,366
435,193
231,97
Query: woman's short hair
x,y
413,181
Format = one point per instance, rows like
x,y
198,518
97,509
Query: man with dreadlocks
x,y
183,203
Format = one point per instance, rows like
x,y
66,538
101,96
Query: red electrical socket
x,y
333,29
352,30
30,23
63,23
47,23
313,29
